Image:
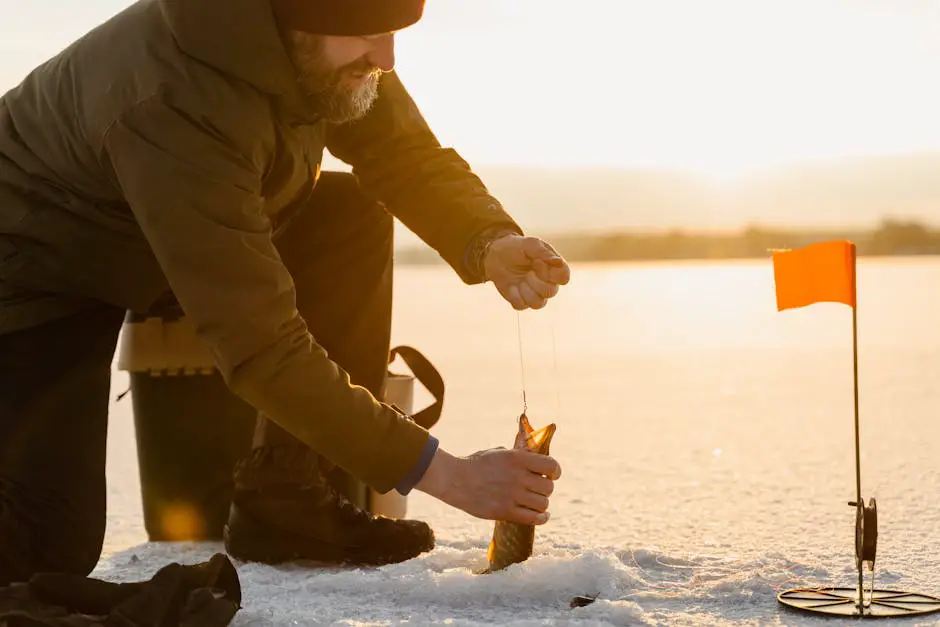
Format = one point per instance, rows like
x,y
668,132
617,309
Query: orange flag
x,y
823,272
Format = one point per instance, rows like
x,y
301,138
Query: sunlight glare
x,y
721,89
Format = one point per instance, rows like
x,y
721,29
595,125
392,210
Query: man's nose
x,y
382,55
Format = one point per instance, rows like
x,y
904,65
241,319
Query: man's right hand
x,y
496,484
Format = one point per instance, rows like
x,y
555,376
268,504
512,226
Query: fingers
x,y
541,465
530,297
539,484
531,292
504,484
526,516
543,288
535,292
549,265
512,294
533,501
555,272
533,490
559,273
528,273
536,248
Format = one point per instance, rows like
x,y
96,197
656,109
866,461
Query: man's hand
x,y
496,484
525,270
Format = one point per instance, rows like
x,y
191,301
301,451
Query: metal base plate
x,y
844,602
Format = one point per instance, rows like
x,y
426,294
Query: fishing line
x,y
555,375
555,369
521,358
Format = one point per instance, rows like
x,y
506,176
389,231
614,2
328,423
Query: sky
x,y
719,88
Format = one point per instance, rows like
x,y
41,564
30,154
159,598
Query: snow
x,y
706,442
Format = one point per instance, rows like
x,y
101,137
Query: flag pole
x,y
858,462
858,455
795,275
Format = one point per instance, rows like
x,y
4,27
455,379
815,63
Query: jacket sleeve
x,y
195,191
431,189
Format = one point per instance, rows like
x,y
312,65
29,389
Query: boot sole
x,y
248,540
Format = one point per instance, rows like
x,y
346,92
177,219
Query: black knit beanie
x,y
347,17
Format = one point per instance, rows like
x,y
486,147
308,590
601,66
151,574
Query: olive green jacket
x,y
161,151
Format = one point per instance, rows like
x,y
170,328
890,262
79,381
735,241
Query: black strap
x,y
429,377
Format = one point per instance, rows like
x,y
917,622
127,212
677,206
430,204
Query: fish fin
x,y
490,554
528,438
540,441
491,550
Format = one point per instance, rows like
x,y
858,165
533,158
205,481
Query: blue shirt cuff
x,y
421,466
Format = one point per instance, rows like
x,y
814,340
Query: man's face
x,y
341,74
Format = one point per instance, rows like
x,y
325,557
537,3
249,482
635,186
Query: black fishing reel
x,y
866,533
861,600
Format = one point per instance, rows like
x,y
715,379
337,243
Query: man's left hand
x,y
525,270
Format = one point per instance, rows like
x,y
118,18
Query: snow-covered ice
x,y
706,442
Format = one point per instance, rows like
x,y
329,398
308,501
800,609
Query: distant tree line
x,y
891,237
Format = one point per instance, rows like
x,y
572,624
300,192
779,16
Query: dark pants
x,y
56,380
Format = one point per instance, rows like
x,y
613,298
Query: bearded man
x,y
172,155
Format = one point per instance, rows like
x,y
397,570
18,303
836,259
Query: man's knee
x,y
47,540
75,555
70,554
339,194
335,189
339,212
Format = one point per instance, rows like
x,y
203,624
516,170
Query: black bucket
x,y
191,429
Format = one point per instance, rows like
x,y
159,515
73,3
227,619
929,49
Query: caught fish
x,y
513,542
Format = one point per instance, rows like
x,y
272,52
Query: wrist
x,y
421,466
480,247
440,475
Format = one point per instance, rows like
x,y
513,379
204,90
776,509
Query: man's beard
x,y
324,84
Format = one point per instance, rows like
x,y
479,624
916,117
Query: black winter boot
x,y
284,509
